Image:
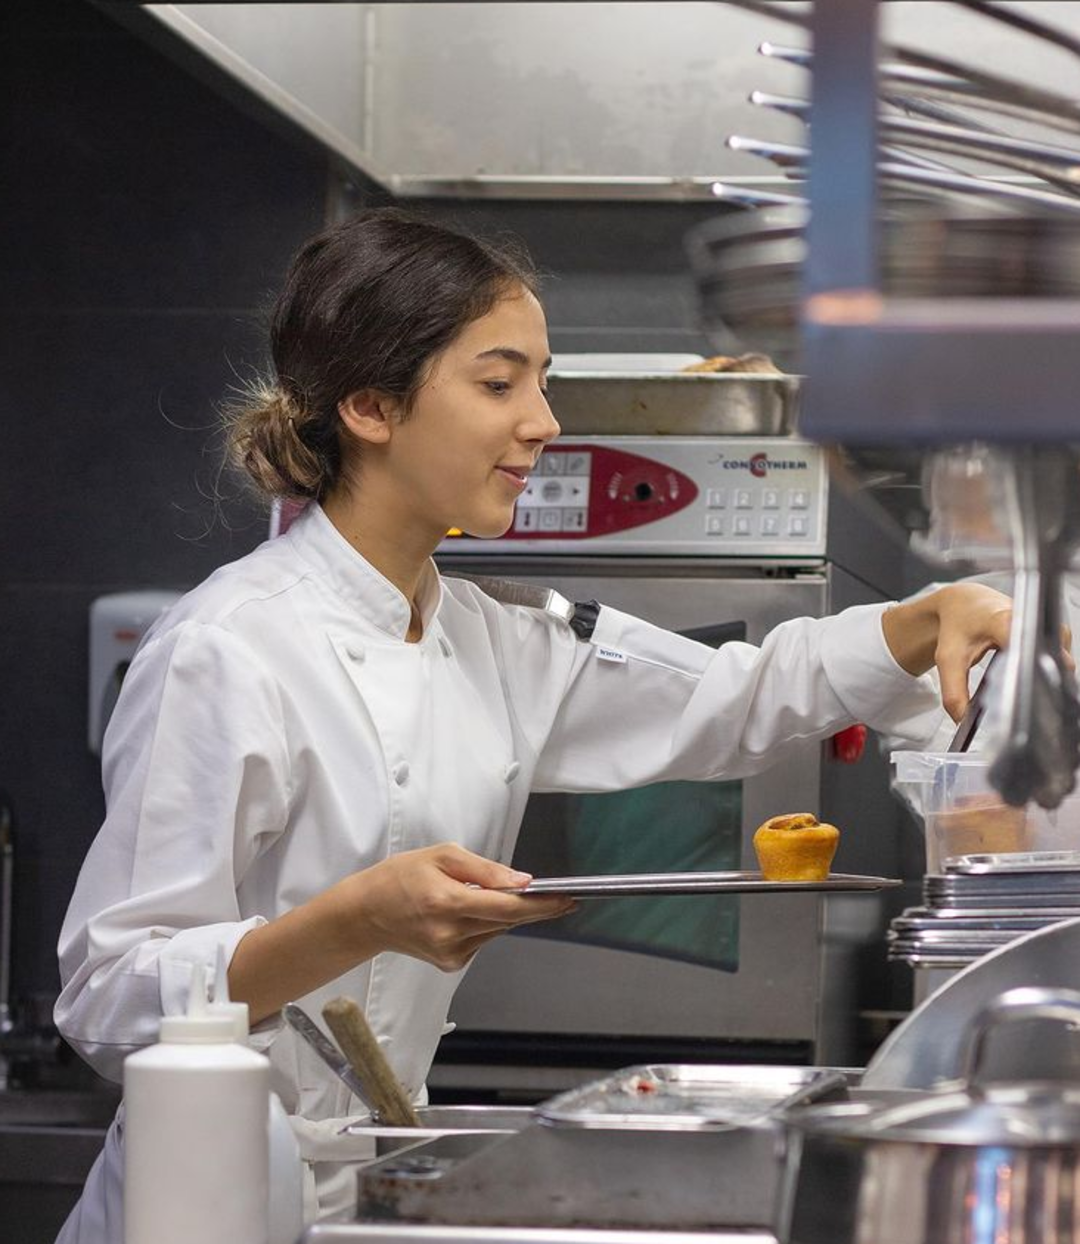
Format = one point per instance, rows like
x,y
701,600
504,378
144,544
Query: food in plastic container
x,y
962,814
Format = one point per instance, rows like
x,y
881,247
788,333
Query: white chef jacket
x,y
275,733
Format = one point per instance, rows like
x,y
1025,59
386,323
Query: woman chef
x,y
321,755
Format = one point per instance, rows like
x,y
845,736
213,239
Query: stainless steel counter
x,y
378,1233
668,1154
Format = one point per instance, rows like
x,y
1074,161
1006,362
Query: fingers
x,y
954,687
432,902
474,869
972,619
508,910
460,955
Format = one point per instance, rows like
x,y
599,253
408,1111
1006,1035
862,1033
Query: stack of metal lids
x,y
981,902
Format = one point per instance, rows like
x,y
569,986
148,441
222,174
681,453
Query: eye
x,y
498,386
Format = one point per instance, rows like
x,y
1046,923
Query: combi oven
x,y
722,538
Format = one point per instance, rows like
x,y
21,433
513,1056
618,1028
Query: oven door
x,y
661,978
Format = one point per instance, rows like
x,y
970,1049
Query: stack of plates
x,y
981,902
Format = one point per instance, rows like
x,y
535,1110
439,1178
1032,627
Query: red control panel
x,y
596,490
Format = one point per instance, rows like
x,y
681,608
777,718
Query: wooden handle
x,y
353,1033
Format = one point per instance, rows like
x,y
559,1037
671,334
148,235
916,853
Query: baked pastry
x,y
795,847
741,363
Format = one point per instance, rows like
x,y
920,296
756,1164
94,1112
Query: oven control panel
x,y
724,496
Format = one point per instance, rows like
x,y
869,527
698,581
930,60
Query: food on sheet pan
x,y
795,847
739,363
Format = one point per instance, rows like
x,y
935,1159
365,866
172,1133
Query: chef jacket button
x,y
400,772
511,771
356,653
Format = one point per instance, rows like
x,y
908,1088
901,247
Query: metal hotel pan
x,y
674,403
678,1096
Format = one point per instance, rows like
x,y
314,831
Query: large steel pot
x,y
971,1163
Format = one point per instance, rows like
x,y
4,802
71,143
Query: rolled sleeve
x,y
867,679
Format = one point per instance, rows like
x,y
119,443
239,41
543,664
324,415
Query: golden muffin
x,y
795,847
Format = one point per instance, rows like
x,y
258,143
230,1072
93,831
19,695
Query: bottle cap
x,y
198,1026
237,1012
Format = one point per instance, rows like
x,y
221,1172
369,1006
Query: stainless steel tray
x,y
982,922
683,1096
679,403
1014,862
946,900
435,1121
616,886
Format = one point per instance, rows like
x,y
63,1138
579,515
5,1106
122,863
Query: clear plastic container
x,y
962,814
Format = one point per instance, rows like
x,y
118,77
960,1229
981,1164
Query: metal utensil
x,y
1023,22
1058,166
791,157
302,1023
973,714
936,77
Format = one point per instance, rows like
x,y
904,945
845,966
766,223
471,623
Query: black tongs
x,y
973,714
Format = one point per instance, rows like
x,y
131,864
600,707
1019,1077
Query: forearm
x,y
911,632
297,953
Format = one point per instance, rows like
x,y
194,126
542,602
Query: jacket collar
x,y
315,539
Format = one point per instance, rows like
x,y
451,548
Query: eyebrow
x,y
512,356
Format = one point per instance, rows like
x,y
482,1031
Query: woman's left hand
x,y
952,628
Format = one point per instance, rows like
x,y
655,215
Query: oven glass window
x,y
665,827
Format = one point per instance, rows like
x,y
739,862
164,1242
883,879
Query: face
x,y
464,453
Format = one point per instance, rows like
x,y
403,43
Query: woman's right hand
x,y
439,904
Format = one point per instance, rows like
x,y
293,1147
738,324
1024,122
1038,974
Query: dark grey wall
x,y
144,224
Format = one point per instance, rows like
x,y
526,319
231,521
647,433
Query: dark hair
x,y
365,305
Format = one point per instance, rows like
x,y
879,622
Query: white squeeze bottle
x,y
195,1136
286,1202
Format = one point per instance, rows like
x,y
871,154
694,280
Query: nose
x,y
539,424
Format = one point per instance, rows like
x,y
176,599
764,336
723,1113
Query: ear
x,y
368,415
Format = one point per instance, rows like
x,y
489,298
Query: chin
x,y
490,530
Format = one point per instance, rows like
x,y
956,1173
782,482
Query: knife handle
x,y
352,1032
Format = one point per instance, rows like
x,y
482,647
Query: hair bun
x,y
265,441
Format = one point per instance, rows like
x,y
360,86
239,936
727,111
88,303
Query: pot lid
x,y
1022,1114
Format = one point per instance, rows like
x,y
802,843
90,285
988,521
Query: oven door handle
x,y
580,617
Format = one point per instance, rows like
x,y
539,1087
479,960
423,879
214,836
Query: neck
x,y
399,554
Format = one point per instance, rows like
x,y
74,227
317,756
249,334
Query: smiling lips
x,y
519,475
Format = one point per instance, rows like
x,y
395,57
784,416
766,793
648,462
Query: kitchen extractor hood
x,y
567,100
606,100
